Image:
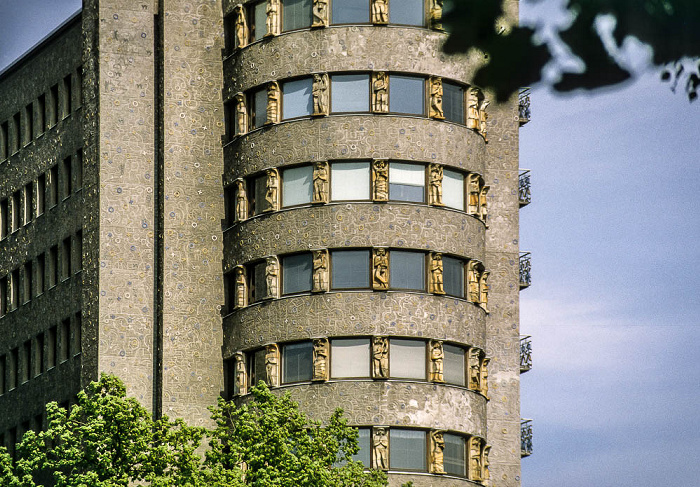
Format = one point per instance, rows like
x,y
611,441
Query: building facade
x,y
303,192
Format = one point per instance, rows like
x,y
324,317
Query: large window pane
x,y
407,358
454,455
259,24
407,450
350,358
453,189
350,269
256,367
406,182
407,270
349,181
259,281
406,12
350,12
406,95
453,276
363,441
260,108
260,190
297,361
454,365
453,102
296,273
296,98
297,14
350,93
297,185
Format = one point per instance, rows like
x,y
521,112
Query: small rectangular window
x,y
453,189
349,181
230,120
230,33
79,170
296,273
14,290
297,185
454,458
407,358
78,88
4,293
40,195
258,282
350,12
297,364
296,98
51,348
259,112
4,141
406,182
259,190
66,259
3,368
40,273
52,183
350,269
66,94
64,340
256,367
230,205
66,178
407,270
16,212
27,277
28,124
40,124
78,252
406,12
297,14
363,442
350,93
53,106
258,21
453,102
39,355
27,197
453,276
53,266
76,335
14,369
16,133
350,358
5,218
26,361
407,95
454,365
407,449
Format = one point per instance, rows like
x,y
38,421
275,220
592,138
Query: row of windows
x,y
357,92
270,17
43,113
41,353
379,269
36,276
56,184
378,180
12,436
361,358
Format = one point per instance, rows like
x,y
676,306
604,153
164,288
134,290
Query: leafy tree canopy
x,y
516,55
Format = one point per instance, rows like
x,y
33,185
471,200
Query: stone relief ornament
x,y
272,360
320,12
273,18
241,115
473,281
380,449
273,103
380,92
320,359
483,210
320,271
436,274
241,200
272,190
241,291
484,291
241,374
436,14
436,98
474,98
475,460
485,377
435,187
380,272
319,94
483,117
380,180
485,473
437,356
474,361
380,357
320,189
437,452
271,278
474,185
380,12
241,26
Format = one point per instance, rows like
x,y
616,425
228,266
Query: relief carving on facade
x,y
380,12
475,459
272,369
320,177
272,190
483,209
483,118
437,356
437,452
320,359
435,186
485,377
241,26
241,115
273,18
484,291
380,92
273,103
320,271
474,363
474,185
436,14
485,472
319,94
436,94
241,291
380,180
436,274
272,278
320,12
474,98
241,200
241,383
380,449
380,357
380,270
473,270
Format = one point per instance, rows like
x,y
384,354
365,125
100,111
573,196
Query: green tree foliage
x,y
515,57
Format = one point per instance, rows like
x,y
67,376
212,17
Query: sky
x,y
613,310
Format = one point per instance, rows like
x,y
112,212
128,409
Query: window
x,y
64,340
350,93
230,120
349,181
454,365
297,185
259,192
363,441
230,204
53,186
27,207
259,107
76,347
78,254
258,21
66,97
406,182
41,114
4,142
256,367
4,291
14,369
53,106
65,259
296,273
350,12
15,133
296,14
40,195
407,270
4,218
406,95
406,12
453,189
27,274
28,127
3,359
453,102
407,358
66,177
53,266
14,290
51,348
79,169
40,272
453,276
39,355
350,269
407,450
350,357
454,455
258,286
296,98
297,362
16,212
26,365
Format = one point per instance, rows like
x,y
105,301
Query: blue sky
x,y
613,230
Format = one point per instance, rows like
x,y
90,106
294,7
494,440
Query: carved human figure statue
x,y
436,94
273,103
474,360
273,17
272,359
483,210
320,271
271,277
473,281
320,359
437,452
380,357
380,180
320,12
241,200
241,291
380,450
437,356
436,274
485,473
474,194
473,103
484,291
380,272
241,115
485,377
483,117
319,93
436,14
475,463
320,189
380,90
380,12
272,190
241,26
241,375
435,193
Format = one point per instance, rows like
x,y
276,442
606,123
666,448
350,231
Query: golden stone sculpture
x,y
475,460
319,94
241,26
436,14
320,13
241,291
473,281
380,12
437,452
241,200
474,363
273,103
435,186
380,449
320,359
436,94
484,291
474,187
241,374
474,98
484,379
320,188
380,357
241,114
485,472
272,370
436,274
380,180
320,271
271,278
483,117
380,271
483,210
437,356
272,190
380,92
273,18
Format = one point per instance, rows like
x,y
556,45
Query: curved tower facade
x,y
371,233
